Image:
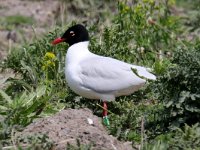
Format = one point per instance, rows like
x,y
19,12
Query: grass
x,y
187,4
9,22
19,20
154,117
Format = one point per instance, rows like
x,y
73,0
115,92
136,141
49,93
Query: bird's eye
x,y
72,33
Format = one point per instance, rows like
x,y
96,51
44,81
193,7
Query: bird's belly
x,y
74,82
128,90
83,92
90,94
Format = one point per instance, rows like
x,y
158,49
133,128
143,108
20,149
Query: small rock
x,y
12,36
90,121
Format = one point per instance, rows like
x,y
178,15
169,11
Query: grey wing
x,y
104,75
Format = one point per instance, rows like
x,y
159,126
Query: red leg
x,y
105,112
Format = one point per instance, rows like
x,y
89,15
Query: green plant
x,y
78,146
19,20
34,142
26,106
23,108
179,88
34,64
9,22
185,139
139,35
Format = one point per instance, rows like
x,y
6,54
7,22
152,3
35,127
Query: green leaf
x,y
136,72
3,108
5,96
169,104
193,97
40,91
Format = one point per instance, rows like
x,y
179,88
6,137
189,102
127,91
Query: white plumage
x,y
97,77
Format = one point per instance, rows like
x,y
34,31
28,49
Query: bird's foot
x,y
106,120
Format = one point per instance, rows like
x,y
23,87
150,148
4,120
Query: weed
x,y
179,88
186,138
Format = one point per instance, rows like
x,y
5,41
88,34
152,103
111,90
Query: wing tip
x,y
153,77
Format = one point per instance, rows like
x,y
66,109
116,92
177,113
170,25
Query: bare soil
x,y
69,125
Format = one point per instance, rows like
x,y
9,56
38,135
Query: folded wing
x,y
105,75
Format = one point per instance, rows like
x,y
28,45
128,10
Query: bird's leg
x,y
105,114
105,111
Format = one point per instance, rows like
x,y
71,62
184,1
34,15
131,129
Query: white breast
x,y
75,54
74,82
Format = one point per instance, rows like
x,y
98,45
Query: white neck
x,y
77,52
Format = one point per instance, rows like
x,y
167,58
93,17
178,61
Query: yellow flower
x,y
126,8
48,61
50,55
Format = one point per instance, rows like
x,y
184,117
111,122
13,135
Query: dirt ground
x,y
69,125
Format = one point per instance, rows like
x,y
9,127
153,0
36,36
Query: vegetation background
x,y
163,35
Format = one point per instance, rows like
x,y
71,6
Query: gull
x,y
97,77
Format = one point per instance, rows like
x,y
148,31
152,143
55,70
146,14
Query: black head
x,y
75,34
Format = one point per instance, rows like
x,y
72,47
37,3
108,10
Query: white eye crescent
x,y
72,33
